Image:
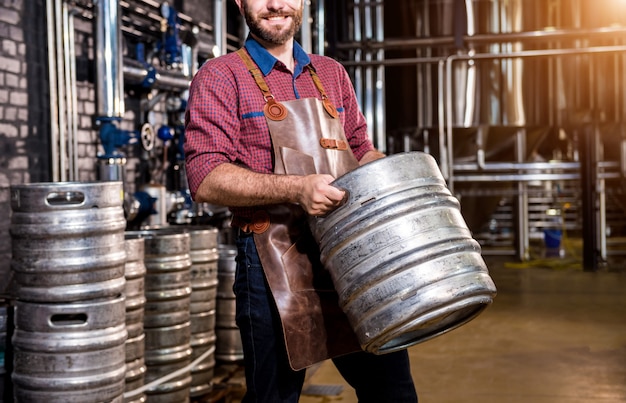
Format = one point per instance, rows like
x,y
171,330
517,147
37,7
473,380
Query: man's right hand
x,y
318,197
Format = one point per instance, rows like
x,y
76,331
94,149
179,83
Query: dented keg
x,y
67,240
69,352
402,259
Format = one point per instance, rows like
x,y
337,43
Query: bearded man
x,y
268,128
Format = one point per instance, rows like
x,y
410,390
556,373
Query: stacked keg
x,y
68,263
228,347
135,272
204,281
167,325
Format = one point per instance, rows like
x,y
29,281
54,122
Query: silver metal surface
x,y
110,80
134,272
228,345
402,259
204,279
69,352
167,319
67,240
167,280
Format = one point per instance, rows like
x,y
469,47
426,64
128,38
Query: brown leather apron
x,y
307,137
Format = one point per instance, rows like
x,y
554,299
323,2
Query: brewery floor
x,y
554,334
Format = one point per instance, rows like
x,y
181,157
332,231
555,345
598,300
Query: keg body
x,y
228,346
204,257
69,352
167,326
67,240
401,257
134,291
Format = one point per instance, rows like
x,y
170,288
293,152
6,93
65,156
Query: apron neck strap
x,y
269,98
258,76
256,73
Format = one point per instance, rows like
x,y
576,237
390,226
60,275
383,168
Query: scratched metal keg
x,y
67,240
69,352
168,277
168,351
402,259
204,257
135,272
167,325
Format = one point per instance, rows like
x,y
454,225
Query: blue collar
x,y
266,61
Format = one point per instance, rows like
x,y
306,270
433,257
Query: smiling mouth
x,y
276,17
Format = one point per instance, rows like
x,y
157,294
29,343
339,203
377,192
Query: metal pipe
x,y
444,163
523,239
320,17
512,177
110,82
306,31
219,31
74,155
166,80
483,39
58,13
71,92
379,84
52,76
157,18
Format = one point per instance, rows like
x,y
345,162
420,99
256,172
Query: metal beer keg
x,y
228,345
167,325
68,240
69,352
402,259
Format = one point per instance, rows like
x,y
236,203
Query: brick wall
x,y
25,110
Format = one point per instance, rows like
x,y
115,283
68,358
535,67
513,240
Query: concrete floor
x,y
552,335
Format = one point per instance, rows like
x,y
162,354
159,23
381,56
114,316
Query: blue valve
x,y
112,137
165,133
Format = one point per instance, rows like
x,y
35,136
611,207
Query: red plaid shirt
x,y
224,121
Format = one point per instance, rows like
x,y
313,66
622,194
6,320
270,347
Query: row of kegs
x,y
108,315
400,255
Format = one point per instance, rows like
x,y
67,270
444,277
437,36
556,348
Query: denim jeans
x,y
270,379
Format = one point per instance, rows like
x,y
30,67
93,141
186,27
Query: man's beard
x,y
274,36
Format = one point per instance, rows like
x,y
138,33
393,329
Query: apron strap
x,y
273,109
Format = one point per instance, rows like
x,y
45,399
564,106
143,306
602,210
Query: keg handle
x,y
65,198
68,319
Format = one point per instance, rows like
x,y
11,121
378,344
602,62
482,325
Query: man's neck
x,y
283,52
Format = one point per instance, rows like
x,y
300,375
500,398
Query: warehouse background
x,y
432,75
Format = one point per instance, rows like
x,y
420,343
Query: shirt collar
x,y
266,61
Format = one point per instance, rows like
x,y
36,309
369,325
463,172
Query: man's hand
x,y
317,196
